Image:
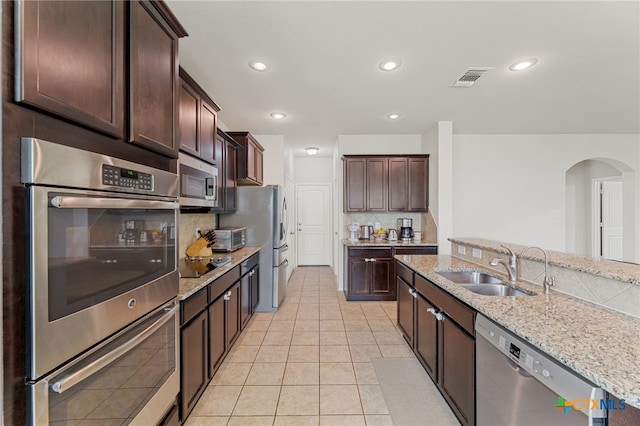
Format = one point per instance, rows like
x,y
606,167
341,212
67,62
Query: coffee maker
x,y
406,228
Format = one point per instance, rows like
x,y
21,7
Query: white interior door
x,y
612,220
314,224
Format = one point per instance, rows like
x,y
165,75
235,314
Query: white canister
x,y
417,236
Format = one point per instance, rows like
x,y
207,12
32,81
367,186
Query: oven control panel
x,y
126,178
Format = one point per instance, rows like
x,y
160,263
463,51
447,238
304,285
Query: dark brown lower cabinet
x,y
440,330
426,341
248,293
406,316
210,325
369,274
217,339
194,372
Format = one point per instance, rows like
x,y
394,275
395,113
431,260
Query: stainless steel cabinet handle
x,y
439,316
227,296
413,293
369,259
70,202
76,377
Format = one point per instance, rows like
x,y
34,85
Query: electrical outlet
x,y
477,253
198,234
462,250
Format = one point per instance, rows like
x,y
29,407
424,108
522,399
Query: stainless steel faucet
x,y
548,281
512,267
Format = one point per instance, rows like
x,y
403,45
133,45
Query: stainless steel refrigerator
x,y
263,210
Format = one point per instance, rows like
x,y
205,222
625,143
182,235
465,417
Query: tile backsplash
x,y
188,224
422,222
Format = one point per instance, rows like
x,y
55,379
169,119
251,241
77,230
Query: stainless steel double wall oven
x,y
102,286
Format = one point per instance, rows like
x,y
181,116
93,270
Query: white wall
x,y
512,187
273,167
313,170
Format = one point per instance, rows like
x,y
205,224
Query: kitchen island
x,y
599,344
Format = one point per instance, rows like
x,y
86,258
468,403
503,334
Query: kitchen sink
x,y
482,283
470,277
494,290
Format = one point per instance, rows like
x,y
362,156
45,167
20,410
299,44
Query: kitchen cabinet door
x,y
377,184
255,288
217,339
382,282
189,119
457,369
194,371
153,80
208,127
398,184
426,337
70,61
418,185
232,315
359,278
406,309
230,177
355,183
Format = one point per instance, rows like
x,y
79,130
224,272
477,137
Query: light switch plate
x,y
462,250
476,253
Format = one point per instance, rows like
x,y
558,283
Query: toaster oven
x,y
229,239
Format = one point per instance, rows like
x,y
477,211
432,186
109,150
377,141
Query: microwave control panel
x,y
126,178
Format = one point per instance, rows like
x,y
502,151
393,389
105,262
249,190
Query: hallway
x,y
311,363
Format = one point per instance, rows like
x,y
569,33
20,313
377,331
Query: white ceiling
x,y
324,72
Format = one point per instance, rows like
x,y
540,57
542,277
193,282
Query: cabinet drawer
x,y
249,263
417,250
451,306
405,273
192,306
377,253
222,284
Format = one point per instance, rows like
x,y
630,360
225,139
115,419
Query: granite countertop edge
x,y
386,243
189,286
567,329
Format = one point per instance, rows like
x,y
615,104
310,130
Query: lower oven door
x,y
133,378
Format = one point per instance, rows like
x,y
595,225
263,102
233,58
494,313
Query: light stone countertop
x,y
600,345
386,243
621,271
190,286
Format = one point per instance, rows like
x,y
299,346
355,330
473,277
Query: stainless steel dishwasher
x,y
517,384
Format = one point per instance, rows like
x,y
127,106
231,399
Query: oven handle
x,y
68,202
76,377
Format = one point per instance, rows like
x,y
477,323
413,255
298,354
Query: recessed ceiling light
x,y
258,65
390,64
393,116
278,115
312,150
523,65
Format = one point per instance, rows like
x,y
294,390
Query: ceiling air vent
x,y
470,76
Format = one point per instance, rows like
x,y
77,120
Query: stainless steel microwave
x,y
229,239
198,182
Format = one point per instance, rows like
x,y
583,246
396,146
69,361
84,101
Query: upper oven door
x,y
98,261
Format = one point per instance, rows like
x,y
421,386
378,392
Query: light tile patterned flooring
x,y
307,364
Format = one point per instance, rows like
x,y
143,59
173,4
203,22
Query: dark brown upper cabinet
x,y
198,121
70,61
381,183
250,159
225,152
153,76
